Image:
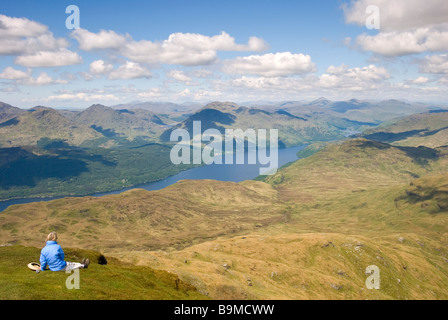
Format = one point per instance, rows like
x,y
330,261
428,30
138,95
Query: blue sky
x,y
201,51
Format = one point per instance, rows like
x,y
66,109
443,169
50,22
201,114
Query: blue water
x,y
222,172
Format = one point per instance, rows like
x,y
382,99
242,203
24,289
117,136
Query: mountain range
x,y
298,122
293,129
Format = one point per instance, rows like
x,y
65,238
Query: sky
x,y
201,51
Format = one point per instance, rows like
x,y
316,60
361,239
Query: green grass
x,y
427,129
308,232
114,281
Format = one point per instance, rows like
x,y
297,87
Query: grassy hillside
x,y
123,123
308,232
427,129
354,166
8,112
29,127
337,224
180,215
323,249
113,281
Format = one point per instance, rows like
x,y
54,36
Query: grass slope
x,y
354,166
180,215
324,247
113,281
308,232
29,127
427,129
128,124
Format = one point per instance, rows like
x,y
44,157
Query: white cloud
x,y
407,42
271,65
419,80
154,53
406,26
151,93
18,46
99,67
81,96
10,89
271,83
42,80
13,74
33,44
105,39
178,75
443,81
436,64
221,42
343,77
336,79
188,49
20,27
203,73
62,57
130,70
399,15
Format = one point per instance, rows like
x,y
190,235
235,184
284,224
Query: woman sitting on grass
x,y
53,256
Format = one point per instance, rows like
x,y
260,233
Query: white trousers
x,y
72,266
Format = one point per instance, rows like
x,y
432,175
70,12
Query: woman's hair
x,y
52,236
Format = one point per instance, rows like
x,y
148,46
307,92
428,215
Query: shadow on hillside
x,y
390,137
209,118
20,167
420,155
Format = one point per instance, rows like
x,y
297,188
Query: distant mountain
x,y
160,107
293,129
373,112
8,112
344,106
321,102
123,123
32,125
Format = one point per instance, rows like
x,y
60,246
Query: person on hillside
x,y
53,256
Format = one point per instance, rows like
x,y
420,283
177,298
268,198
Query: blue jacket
x,y
52,256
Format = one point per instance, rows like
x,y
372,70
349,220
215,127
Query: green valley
x,y
308,232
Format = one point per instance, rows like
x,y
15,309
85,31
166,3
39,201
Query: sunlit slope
x,y
426,129
123,123
308,232
182,214
324,247
29,127
354,166
115,281
310,266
